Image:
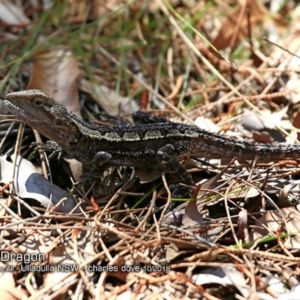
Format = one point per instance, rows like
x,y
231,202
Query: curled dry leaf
x,y
242,224
264,126
192,215
28,183
252,121
55,72
226,276
262,137
284,197
207,124
75,167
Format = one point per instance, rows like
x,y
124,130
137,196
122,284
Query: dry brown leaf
x,y
273,221
262,137
192,215
296,121
235,28
55,73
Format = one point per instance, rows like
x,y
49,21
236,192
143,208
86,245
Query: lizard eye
x,y
58,122
38,101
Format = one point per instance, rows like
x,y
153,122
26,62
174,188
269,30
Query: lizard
x,y
151,143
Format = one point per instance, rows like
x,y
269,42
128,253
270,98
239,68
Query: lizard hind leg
x,y
178,174
94,168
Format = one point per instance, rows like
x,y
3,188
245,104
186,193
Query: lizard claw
x,y
49,146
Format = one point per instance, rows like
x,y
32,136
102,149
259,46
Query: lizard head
x,y
34,107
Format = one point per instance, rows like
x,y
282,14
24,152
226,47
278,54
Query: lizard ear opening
x,y
58,122
68,138
38,102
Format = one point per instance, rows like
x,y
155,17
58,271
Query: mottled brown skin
x,y
155,142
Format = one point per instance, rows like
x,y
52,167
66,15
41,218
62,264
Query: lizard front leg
x,y
166,157
101,158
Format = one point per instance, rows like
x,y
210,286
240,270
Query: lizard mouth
x,y
17,111
28,116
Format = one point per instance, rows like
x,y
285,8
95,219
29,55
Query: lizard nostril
x,y
38,101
